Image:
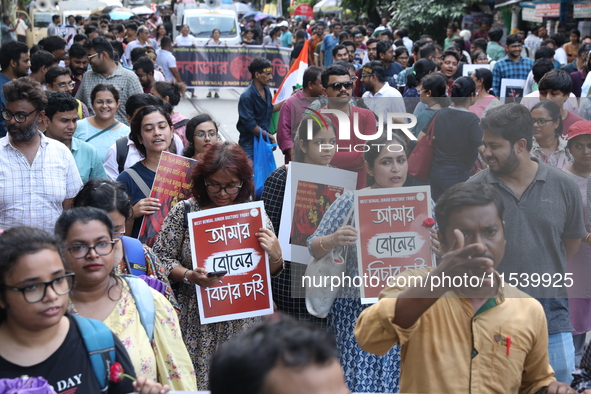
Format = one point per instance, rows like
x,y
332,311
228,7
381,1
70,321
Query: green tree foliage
x,y
428,16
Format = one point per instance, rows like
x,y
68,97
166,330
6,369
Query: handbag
x,y
264,161
419,162
320,292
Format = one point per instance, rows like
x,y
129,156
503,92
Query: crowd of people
x,y
83,128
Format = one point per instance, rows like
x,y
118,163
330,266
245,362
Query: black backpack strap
x,y
180,123
121,149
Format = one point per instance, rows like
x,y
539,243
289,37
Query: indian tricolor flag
x,y
293,80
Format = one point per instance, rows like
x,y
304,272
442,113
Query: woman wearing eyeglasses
x,y
151,132
223,177
37,337
155,347
111,197
549,146
201,133
102,129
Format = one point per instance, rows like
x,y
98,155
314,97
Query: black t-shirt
x,y
457,138
296,50
69,370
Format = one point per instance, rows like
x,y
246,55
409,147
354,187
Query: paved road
x,y
223,110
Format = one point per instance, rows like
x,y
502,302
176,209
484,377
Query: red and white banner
x,y
223,239
392,237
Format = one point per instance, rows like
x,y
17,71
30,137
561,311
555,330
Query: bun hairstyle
x,y
422,68
462,89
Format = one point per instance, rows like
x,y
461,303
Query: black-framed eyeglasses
x,y
19,117
35,292
541,121
341,85
102,248
228,189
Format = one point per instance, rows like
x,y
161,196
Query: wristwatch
x,y
185,279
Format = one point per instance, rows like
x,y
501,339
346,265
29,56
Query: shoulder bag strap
x,y
144,301
139,181
431,130
102,131
121,149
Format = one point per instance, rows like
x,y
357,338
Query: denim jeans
x,y
562,356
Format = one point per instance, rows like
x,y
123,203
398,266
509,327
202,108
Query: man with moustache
x,y
493,334
544,222
78,65
338,87
15,63
61,117
40,178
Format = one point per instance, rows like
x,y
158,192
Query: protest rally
x,y
295,197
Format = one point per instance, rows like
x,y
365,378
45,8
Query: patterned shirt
x,y
558,159
32,194
126,82
507,68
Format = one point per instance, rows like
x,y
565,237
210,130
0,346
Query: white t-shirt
x,y
166,60
185,41
560,55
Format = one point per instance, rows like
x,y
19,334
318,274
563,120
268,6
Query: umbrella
x,y
120,15
242,8
143,10
251,14
261,16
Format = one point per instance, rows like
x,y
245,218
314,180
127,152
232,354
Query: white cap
x,y
283,24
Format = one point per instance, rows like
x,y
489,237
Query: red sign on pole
x,y
304,10
171,185
392,237
223,239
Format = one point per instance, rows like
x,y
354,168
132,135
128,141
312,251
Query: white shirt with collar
x,y
386,100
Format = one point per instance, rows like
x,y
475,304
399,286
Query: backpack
x,y
134,256
98,338
121,151
100,345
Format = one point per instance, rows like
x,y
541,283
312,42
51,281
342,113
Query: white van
x,y
202,21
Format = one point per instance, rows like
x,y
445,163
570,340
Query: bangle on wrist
x,y
279,260
586,239
323,248
185,279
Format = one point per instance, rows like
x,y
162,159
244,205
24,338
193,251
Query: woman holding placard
x,y
223,177
386,165
318,151
151,132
